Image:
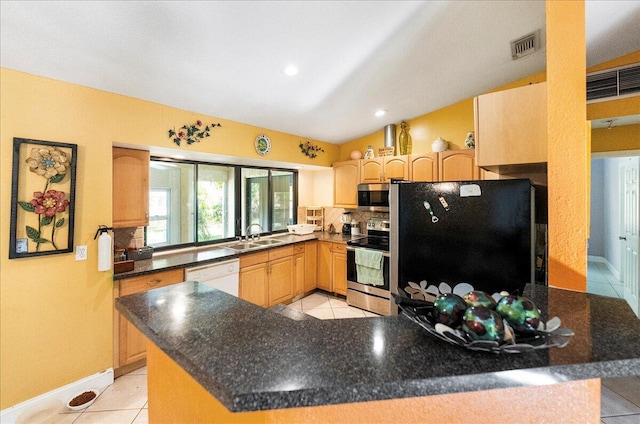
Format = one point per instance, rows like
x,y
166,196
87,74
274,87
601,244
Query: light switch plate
x,y
81,253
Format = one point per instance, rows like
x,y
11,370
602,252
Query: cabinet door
x,y
339,273
281,280
346,176
511,126
371,170
298,273
131,343
458,165
324,266
310,265
395,167
424,167
130,188
254,283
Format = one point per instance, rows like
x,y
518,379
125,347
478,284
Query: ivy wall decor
x,y
191,133
310,150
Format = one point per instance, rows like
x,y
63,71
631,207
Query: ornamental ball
x,y
520,312
482,323
480,298
448,309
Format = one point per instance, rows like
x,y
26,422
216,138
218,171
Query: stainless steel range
x,y
368,263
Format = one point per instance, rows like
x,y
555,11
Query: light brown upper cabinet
x,y
346,176
511,127
130,188
383,169
423,167
457,165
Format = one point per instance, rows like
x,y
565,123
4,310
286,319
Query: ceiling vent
x,y
526,45
611,83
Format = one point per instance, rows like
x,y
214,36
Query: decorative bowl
x,y
547,335
75,405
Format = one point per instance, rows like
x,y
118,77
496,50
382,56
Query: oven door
x,y
376,299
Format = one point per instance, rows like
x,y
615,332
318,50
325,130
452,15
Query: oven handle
x,y
386,254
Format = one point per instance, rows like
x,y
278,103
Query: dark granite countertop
x,y
180,258
252,358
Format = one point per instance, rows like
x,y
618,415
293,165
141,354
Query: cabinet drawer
x,y
298,248
280,252
254,259
339,248
150,281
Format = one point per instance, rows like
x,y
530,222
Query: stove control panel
x,y
378,224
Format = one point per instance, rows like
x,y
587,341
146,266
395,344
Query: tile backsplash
x,y
128,237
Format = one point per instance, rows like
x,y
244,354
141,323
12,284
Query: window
x,y
215,202
283,208
158,230
193,203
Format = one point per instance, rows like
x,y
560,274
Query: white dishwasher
x,y
221,275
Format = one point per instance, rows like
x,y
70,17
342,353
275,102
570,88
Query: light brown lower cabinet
x,y
267,278
299,268
310,265
332,267
325,280
129,343
254,278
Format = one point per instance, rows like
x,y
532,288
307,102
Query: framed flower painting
x,y
42,198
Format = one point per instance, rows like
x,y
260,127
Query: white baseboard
x,y
604,260
59,396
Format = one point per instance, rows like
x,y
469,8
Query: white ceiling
x,y
225,58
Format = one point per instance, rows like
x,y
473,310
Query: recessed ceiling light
x,y
380,113
290,70
178,156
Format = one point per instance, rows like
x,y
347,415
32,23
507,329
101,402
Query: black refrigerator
x,y
476,232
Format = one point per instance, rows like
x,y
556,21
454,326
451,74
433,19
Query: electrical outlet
x,y
81,253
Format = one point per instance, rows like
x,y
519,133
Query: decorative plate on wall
x,y
263,144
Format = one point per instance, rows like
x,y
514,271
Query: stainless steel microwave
x,y
373,197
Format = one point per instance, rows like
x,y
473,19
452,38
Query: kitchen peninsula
x,y
216,358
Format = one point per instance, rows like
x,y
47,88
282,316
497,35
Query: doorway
x,y
613,253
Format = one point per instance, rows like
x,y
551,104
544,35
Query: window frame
x,y
237,210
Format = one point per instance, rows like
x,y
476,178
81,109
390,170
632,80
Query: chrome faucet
x,y
246,232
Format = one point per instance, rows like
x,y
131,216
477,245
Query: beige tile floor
x,y
324,306
125,401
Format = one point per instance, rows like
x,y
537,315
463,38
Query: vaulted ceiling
x,y
226,58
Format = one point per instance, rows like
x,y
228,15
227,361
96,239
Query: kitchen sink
x,y
242,246
267,242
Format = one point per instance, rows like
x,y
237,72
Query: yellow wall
x,y
568,145
625,137
56,313
452,123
